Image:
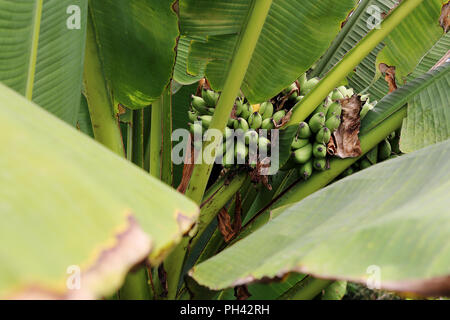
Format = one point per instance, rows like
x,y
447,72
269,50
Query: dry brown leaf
x,y
188,168
242,293
389,72
444,19
345,142
225,227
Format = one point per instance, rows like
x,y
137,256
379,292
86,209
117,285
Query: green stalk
x,y
136,286
335,76
236,74
138,138
130,141
104,123
306,289
34,49
160,141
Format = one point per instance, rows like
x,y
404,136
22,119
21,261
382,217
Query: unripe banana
x,y
239,107
320,164
263,145
196,129
306,170
290,88
266,110
206,121
267,124
309,85
279,115
242,124
323,107
384,150
302,80
228,133
192,116
337,95
323,136
319,150
210,97
372,155
293,96
316,122
247,111
210,111
299,143
304,132
364,164
255,120
240,152
333,123
298,99
334,109
199,105
231,122
251,137
348,172
303,155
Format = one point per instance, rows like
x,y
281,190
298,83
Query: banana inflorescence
x,y
310,144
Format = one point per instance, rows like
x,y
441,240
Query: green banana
x,y
333,123
299,143
309,85
323,107
334,109
267,124
304,132
255,120
372,155
348,172
210,97
206,121
320,164
239,107
247,111
241,124
240,152
290,88
303,155
279,115
302,80
251,137
231,122
196,129
319,150
323,136
228,133
266,110
199,105
364,164
337,95
384,150
317,122
306,170
193,116
263,145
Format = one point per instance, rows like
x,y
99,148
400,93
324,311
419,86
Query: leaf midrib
x,y
34,48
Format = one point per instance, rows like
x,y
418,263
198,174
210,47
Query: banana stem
x,y
104,123
306,289
335,76
236,74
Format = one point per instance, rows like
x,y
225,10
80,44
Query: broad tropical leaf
x,y
433,56
137,41
67,204
412,39
428,119
299,27
42,52
180,74
392,218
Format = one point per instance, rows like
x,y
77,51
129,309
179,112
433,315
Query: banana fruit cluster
x,y
248,118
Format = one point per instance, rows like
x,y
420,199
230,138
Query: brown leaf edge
x,y
110,263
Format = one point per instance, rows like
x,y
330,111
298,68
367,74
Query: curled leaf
x,y
444,19
389,72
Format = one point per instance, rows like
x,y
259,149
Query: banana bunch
x,y
248,118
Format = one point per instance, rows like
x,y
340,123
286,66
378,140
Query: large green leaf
x,y
428,119
391,219
137,41
65,200
41,57
436,53
412,39
303,28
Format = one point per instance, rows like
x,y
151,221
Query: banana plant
x,y
93,205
